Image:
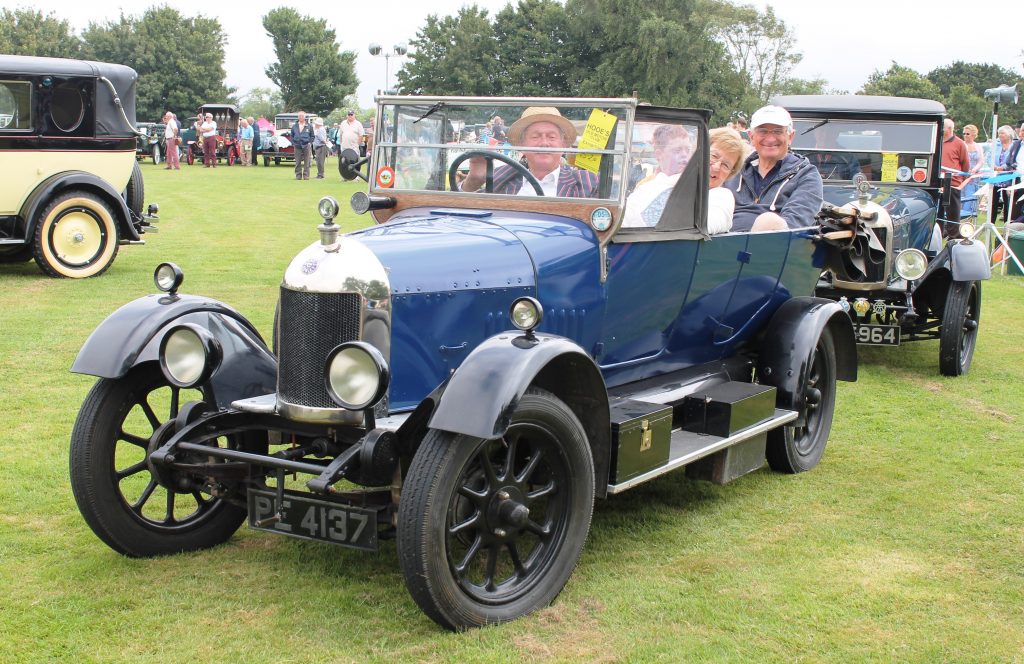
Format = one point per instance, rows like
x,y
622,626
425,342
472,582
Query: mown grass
x,y
905,544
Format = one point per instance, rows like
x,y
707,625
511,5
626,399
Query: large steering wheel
x,y
490,156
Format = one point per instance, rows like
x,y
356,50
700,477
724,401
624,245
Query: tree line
x,y
696,53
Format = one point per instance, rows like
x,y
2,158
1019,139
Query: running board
x,y
687,447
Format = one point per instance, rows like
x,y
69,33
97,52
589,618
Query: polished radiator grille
x,y
311,326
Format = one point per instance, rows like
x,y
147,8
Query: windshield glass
x,y
882,151
569,150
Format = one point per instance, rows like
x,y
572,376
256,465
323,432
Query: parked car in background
x,y
887,264
228,145
152,143
469,374
72,190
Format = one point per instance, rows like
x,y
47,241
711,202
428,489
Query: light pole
x,y
398,50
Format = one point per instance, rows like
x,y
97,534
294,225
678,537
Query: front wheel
x,y
127,504
190,157
232,157
76,236
959,334
796,448
156,154
492,529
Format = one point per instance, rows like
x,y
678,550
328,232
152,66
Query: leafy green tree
x,y
900,81
761,46
967,107
28,32
262,103
180,60
452,55
533,50
313,74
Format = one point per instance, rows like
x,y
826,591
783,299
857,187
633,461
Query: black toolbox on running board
x,y
641,435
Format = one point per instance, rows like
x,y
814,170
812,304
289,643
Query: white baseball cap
x,y
773,115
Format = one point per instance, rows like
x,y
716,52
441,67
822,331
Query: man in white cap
x,y
775,189
539,127
320,144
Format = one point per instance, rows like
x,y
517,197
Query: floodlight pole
x,y
398,50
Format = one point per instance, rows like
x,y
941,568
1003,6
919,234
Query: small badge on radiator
x,y
310,266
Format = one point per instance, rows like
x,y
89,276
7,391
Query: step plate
x,y
688,447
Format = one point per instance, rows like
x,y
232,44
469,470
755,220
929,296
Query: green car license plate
x,y
313,519
877,335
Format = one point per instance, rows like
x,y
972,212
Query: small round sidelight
x,y
966,230
328,208
189,355
526,313
911,264
356,375
168,277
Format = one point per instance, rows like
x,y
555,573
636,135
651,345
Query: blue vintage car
x,y
468,374
887,265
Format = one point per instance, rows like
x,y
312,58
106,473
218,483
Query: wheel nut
x,y
503,495
499,532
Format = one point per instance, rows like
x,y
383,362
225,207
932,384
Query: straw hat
x,y
541,114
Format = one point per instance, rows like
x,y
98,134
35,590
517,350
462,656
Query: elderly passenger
x,y
775,189
728,150
541,127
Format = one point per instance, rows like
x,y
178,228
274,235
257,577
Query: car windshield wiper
x,y
430,111
813,127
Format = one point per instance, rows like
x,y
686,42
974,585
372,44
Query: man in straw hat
x,y
539,127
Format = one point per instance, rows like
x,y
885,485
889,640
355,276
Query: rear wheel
x,y
959,332
491,530
796,448
76,236
125,502
135,192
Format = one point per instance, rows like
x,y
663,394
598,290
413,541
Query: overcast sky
x,y
842,41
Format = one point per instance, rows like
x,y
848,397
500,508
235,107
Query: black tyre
x,y
122,499
491,530
796,448
277,161
266,161
157,154
135,192
959,334
76,236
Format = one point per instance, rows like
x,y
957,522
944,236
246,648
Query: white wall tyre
x,y
76,236
156,154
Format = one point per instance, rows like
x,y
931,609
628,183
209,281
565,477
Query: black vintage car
x,y
901,271
72,191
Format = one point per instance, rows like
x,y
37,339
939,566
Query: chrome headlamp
x,y
168,277
966,230
526,314
189,355
356,375
911,264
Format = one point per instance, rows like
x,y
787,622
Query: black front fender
x,y
789,340
481,396
131,335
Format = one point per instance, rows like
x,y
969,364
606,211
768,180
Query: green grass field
x,y
905,544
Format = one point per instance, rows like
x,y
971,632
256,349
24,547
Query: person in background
x,y
371,129
1014,211
956,161
245,136
332,136
976,155
257,140
350,133
775,189
727,152
302,140
208,130
171,141
320,143
1003,164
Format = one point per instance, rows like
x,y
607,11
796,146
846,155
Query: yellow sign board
x,y
595,136
890,163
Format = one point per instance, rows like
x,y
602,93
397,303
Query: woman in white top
x,y
728,150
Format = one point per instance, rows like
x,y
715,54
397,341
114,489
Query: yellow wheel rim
x,y
77,237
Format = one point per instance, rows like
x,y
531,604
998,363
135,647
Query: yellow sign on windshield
x,y
595,136
890,164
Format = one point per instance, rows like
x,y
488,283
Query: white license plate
x,y
877,335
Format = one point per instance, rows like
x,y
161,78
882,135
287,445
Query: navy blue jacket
x,y
794,193
300,139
